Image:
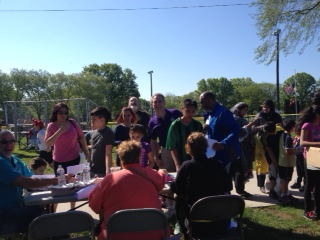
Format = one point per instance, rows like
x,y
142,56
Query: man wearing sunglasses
x,y
14,176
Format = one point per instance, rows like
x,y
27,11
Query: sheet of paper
x,y
75,169
210,152
85,192
44,176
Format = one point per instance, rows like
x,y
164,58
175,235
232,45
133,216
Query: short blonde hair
x,y
129,152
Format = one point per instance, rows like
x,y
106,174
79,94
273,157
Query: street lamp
x,y
277,33
150,72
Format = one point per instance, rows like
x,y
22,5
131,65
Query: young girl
x,y
38,166
308,125
136,134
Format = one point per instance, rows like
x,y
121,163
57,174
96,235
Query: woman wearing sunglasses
x,y
63,134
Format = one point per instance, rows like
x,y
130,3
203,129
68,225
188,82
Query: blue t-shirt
x,y
158,127
10,195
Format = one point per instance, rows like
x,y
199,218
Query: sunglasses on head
x,y
5,142
63,112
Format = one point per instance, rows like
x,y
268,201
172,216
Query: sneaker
x,y
285,199
309,215
292,198
176,229
273,194
245,195
296,185
263,190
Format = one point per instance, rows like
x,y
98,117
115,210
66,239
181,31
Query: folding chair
x,y
137,221
62,224
210,217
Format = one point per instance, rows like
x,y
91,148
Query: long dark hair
x,y
309,114
56,109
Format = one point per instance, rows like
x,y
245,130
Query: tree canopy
x,y
299,21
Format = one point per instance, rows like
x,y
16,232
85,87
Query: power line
x,y
123,9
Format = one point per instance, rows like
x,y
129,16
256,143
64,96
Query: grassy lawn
x,y
264,223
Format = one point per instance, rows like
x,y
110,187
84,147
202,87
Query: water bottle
x,y
61,176
86,173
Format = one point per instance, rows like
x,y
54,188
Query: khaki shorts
x,y
167,160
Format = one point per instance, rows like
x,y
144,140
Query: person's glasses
x,y
63,112
5,142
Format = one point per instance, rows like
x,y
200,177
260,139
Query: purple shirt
x,y
145,149
158,127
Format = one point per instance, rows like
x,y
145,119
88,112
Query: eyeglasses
x,y
63,112
5,142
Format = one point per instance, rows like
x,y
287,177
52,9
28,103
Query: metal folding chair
x,y
137,220
62,224
210,217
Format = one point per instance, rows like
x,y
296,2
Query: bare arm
x,y
151,162
52,139
155,152
174,154
108,158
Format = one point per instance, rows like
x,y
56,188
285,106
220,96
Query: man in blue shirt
x,y
14,176
220,125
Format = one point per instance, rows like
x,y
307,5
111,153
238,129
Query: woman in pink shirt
x,y
128,189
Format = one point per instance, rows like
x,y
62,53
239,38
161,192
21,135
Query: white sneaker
x,y
176,229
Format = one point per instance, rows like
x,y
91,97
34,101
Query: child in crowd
x,y
45,152
146,157
38,166
301,177
102,139
32,136
286,160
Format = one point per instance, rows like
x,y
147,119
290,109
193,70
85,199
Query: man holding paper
x,y
221,126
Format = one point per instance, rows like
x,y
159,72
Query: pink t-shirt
x,y
313,133
66,148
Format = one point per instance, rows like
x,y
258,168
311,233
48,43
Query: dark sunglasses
x,y
63,112
5,142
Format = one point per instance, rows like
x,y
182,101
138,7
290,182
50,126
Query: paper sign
x,y
85,192
210,152
75,169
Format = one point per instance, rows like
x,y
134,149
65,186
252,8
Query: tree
x,y
298,20
221,87
304,85
120,84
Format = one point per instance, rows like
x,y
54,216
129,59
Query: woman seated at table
x,y
198,178
128,189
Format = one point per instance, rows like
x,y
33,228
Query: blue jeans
x,y
17,220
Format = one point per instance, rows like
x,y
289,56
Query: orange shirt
x,y
126,190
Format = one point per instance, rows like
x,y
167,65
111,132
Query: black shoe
x,y
273,194
245,195
296,185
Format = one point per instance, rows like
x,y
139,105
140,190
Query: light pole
x,y
150,72
277,33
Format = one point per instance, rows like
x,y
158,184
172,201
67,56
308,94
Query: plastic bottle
x,y
61,176
86,173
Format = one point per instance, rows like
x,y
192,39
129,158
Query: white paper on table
x,y
44,176
75,169
85,192
210,152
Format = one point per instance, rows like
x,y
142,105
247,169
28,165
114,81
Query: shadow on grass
x,y
254,231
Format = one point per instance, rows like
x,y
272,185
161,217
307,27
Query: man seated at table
x,y
14,176
130,188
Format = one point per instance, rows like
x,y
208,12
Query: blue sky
x,y
181,46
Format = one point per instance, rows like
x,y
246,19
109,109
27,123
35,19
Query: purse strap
x,y
143,175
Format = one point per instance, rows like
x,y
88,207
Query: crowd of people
x,y
147,149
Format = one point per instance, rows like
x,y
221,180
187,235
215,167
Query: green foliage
x,y
298,20
120,84
305,87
